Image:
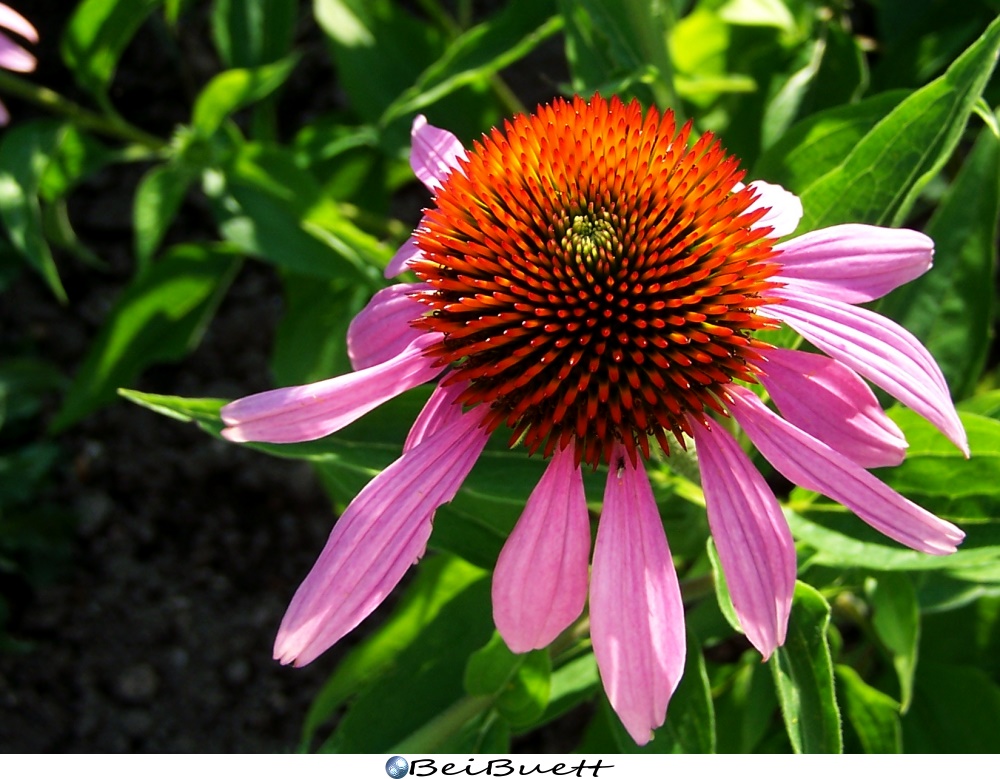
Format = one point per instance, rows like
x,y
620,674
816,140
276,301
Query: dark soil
x,y
157,635
184,551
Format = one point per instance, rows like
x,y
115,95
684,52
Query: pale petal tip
x,y
641,736
234,435
784,209
954,431
289,652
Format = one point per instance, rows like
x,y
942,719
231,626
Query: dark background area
x,y
155,632
178,554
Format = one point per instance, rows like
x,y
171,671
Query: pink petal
x,y
540,580
880,350
812,464
854,263
784,210
401,260
832,403
13,57
379,536
754,543
434,154
13,21
636,615
382,329
439,410
312,411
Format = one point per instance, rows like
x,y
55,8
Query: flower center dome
x,y
596,278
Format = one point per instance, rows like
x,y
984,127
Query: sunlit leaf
x,y
96,36
24,154
235,89
249,33
818,144
896,620
882,176
479,53
803,675
157,201
872,714
951,307
159,318
437,581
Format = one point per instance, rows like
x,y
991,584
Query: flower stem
x,y
453,29
436,733
112,126
651,33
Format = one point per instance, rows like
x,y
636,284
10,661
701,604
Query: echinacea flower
x,y
12,56
594,281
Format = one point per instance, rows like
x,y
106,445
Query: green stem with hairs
x,y
436,733
453,29
43,97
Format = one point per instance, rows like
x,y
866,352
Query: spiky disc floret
x,y
595,277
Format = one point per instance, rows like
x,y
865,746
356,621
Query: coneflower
x,y
595,282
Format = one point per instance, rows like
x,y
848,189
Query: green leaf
x,y
803,676
766,13
690,724
524,700
918,38
25,152
818,144
835,74
611,41
378,48
880,179
174,9
232,90
202,411
490,668
272,209
896,620
519,684
745,703
786,104
721,588
426,676
23,383
950,309
572,683
157,201
968,635
938,477
479,53
700,49
311,341
249,33
843,74
984,405
75,155
841,540
438,580
160,317
96,36
873,715
955,709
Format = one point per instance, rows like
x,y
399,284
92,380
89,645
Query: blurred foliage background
x,y
268,140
